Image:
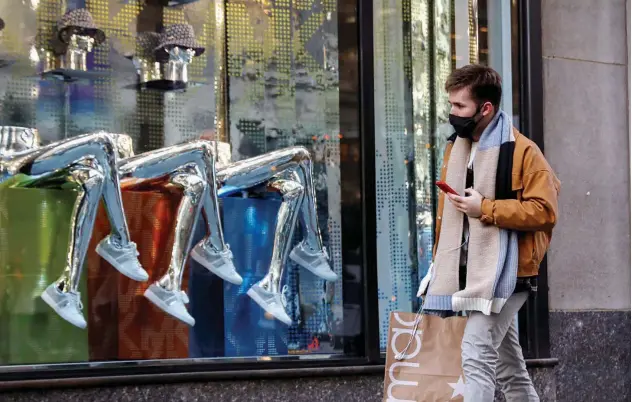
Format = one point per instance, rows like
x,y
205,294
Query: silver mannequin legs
x,y
295,161
90,161
190,166
289,171
293,195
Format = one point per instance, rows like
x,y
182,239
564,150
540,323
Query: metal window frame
x,y
534,316
367,134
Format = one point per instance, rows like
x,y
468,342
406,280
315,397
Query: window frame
x,y
534,316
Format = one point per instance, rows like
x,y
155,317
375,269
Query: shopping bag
x,y
423,358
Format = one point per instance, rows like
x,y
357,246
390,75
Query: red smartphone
x,y
445,187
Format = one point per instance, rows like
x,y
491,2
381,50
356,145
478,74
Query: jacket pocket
x,y
526,248
541,241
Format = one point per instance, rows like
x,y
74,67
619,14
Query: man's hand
x,y
470,205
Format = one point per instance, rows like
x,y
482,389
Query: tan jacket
x,y
533,214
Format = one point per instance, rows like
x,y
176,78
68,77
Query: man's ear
x,y
487,109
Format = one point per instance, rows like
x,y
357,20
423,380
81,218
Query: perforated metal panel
x,y
411,120
111,103
394,153
443,62
283,91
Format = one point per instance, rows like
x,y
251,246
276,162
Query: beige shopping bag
x,y
423,358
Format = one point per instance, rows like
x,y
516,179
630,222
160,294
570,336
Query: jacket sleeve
x,y
537,211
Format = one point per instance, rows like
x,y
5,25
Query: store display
x,y
123,324
153,200
179,36
189,166
267,293
144,59
162,59
89,161
34,237
285,89
79,22
288,171
66,53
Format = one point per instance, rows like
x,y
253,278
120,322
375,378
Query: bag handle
x,y
420,312
418,318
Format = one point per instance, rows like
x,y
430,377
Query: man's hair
x,y
484,83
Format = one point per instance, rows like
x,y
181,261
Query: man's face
x,y
461,103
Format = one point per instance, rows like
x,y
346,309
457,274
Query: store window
x,y
259,80
417,44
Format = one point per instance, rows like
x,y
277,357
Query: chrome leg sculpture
x,y
191,167
289,171
266,293
90,161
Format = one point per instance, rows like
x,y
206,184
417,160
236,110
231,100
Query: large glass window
x,y
417,44
263,77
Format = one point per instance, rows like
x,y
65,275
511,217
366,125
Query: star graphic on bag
x,y
458,387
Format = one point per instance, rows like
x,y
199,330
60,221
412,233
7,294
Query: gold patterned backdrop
x,y
109,101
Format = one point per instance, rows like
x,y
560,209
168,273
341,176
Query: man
x,y
518,211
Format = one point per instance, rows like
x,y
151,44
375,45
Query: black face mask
x,y
464,126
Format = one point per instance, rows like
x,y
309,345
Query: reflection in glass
x,y
283,91
268,80
411,123
394,158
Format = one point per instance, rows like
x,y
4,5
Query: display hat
x,y
180,35
79,21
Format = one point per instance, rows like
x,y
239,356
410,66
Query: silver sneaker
x,y
66,304
124,259
171,302
273,303
315,261
218,262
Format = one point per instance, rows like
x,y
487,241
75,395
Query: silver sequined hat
x,y
79,21
146,43
180,35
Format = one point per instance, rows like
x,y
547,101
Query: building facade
x,y
590,309
359,85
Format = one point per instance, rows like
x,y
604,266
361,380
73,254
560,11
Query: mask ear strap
x,y
479,109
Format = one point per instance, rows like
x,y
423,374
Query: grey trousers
x,y
491,352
